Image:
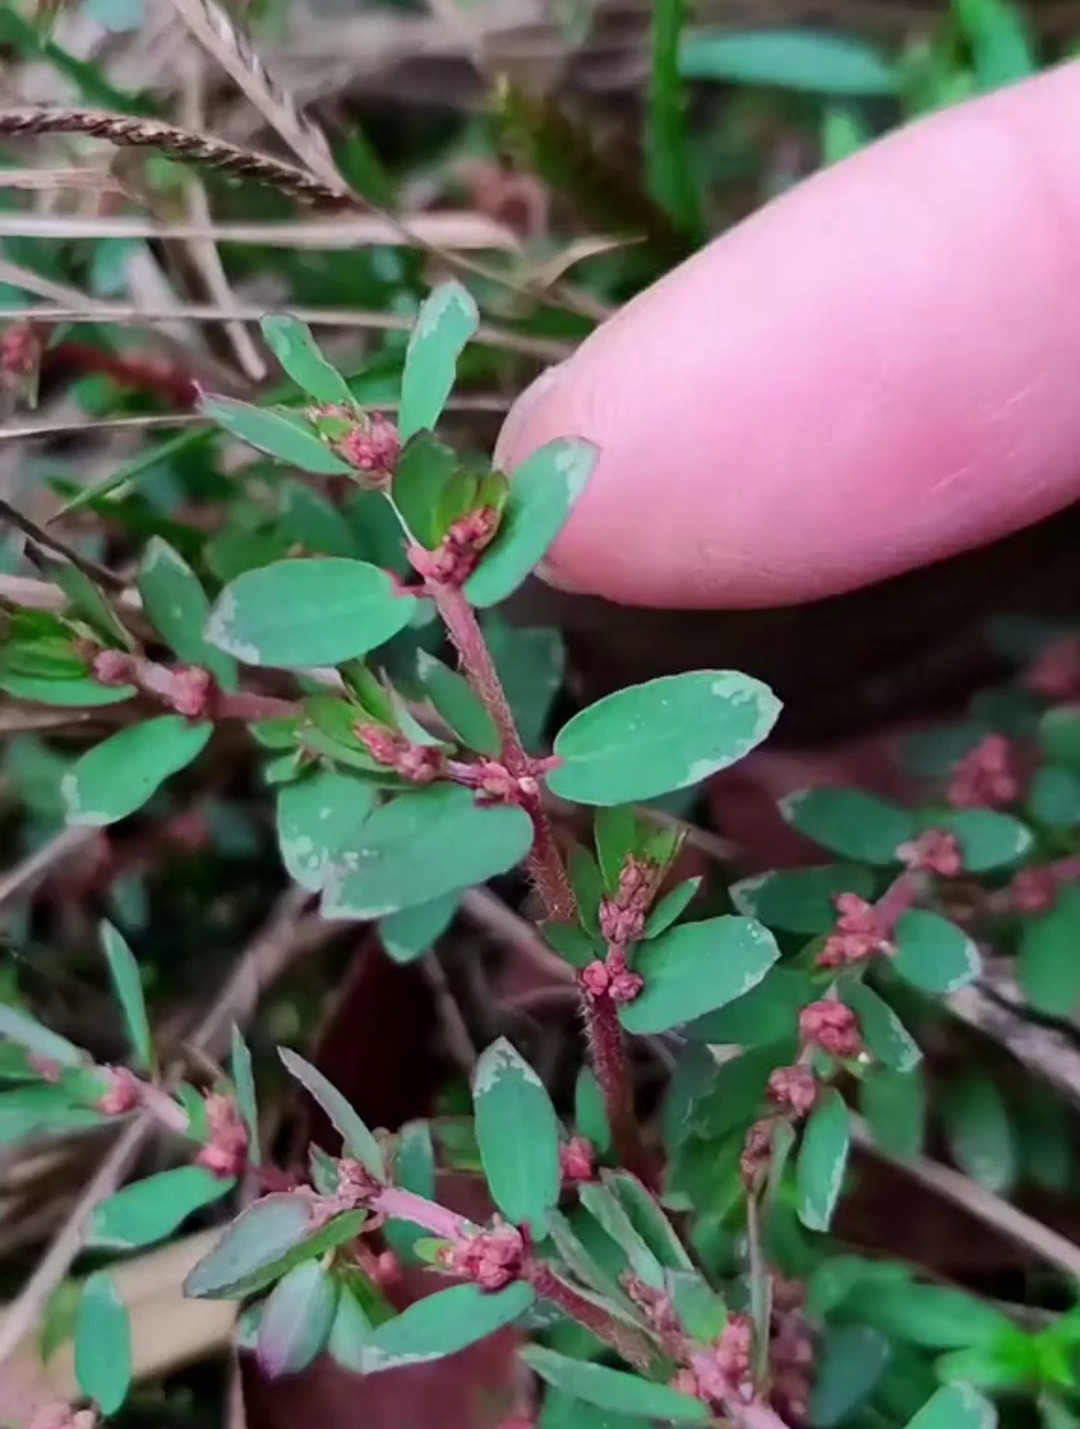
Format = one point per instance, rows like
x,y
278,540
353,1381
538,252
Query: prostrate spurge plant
x,y
390,803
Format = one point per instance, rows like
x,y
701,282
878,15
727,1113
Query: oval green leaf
x,y
444,1323
292,344
408,935
151,1209
882,1031
1048,965
278,434
446,321
127,983
103,1344
422,846
822,1161
851,1360
894,1105
318,819
296,614
243,1080
800,900
810,60
696,968
518,1136
614,1389
178,608
296,1320
988,839
20,1027
118,776
667,734
69,694
543,491
358,1140
455,701
933,954
956,1406
850,822
979,1132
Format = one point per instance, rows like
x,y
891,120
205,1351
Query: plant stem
x,y
898,898
608,1051
633,1347
405,1205
545,861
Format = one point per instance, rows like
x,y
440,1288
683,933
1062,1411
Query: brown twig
x,y
90,569
203,150
36,866
1021,1229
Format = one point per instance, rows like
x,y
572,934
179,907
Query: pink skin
x,y
875,371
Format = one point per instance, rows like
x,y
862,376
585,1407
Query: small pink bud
x,y
577,1160
356,1181
757,1152
832,1026
1033,890
795,1088
490,1259
419,763
934,851
370,444
226,1150
595,978
123,1092
387,1269
625,985
858,934
113,667
21,348
192,692
985,778
455,559
1055,671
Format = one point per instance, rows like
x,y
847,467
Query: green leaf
x,y
243,1080
614,1389
843,133
788,59
666,734
767,1013
117,776
648,1219
956,1406
850,822
672,181
319,819
178,608
292,344
296,1320
297,614
1059,735
823,1160
979,1132
275,433
20,1027
447,319
800,900
850,1361
266,1240
103,1344
616,836
422,846
357,1140
695,968
1053,797
350,1333
934,1317
987,839
1047,966
408,935
671,907
894,1105
612,1217
41,1107
883,1032
1000,41
544,490
89,602
424,472
734,1090
518,1135
584,1266
460,707
315,523
151,1209
443,1323
933,954
70,694
590,1113
127,982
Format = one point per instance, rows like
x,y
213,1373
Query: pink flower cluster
x,y
21,347
577,1160
793,1088
622,916
986,777
226,1150
723,1373
832,1026
419,763
369,444
490,1259
934,851
858,934
123,1092
458,555
611,977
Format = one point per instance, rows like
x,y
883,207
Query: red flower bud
x,y
795,1088
833,1027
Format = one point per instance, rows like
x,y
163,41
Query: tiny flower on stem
x,y
622,916
457,556
832,1026
419,763
1033,890
226,1149
858,935
934,851
577,1160
490,1258
369,442
795,1088
123,1092
985,778
757,1152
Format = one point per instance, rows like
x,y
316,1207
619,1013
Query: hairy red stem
x,y
633,1347
152,375
545,861
608,1051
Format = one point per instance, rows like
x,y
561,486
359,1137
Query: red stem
x,y
898,898
608,1052
545,861
404,1205
153,375
633,1347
